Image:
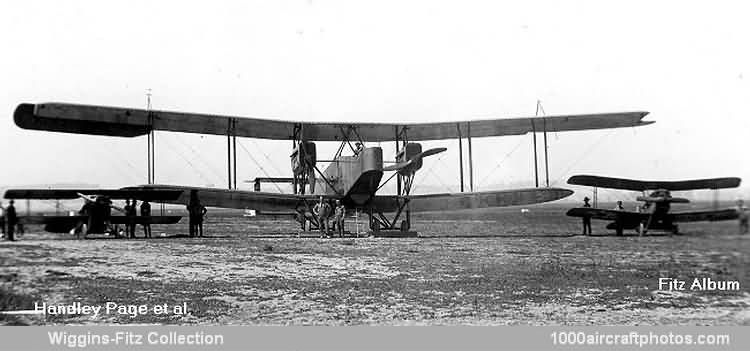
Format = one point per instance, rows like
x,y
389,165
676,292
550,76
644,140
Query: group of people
x,y
8,221
324,213
131,213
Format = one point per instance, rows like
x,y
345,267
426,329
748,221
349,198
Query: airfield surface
x,y
505,268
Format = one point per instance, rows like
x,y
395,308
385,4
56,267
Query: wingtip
x,y
23,114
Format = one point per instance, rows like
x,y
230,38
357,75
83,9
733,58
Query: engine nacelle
x,y
303,157
407,153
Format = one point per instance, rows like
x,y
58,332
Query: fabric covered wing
x,y
129,122
641,185
700,216
612,215
464,201
214,197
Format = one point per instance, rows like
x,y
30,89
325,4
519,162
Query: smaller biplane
x,y
655,213
95,216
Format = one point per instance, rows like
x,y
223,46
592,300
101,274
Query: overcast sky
x,y
687,63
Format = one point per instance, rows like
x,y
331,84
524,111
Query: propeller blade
x,y
430,152
397,166
86,198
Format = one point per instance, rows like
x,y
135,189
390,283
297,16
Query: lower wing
x,y
714,215
225,198
611,215
463,201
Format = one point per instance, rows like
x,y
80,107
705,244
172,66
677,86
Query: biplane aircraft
x,y
655,212
95,216
354,178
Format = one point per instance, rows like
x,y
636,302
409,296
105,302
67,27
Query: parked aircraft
x,y
353,177
655,213
95,216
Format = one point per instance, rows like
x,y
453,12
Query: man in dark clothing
x,y
2,219
146,214
586,219
201,215
196,212
11,219
323,211
131,213
127,211
338,218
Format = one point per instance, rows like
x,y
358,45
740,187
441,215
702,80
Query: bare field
x,y
511,269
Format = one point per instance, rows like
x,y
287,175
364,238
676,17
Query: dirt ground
x,y
475,272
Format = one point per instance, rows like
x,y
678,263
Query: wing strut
x,y
544,132
536,170
151,151
471,165
460,156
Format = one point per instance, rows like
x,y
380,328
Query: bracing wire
x,y
118,165
266,156
174,149
257,164
583,155
512,151
195,153
429,170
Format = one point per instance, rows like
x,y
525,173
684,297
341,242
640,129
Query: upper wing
x,y
129,122
716,215
641,185
612,215
462,201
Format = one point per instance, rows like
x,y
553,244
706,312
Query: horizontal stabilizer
x,y
643,185
131,122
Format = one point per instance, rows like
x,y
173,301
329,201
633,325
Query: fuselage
x,y
356,178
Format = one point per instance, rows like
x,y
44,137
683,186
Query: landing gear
x,y
81,231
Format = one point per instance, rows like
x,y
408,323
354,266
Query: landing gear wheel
x,y
82,231
404,226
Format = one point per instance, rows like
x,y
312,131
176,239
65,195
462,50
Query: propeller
x,y
418,157
91,199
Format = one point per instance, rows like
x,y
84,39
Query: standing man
x,y
11,219
127,214
196,212
743,216
146,214
618,222
2,219
200,215
322,210
191,212
338,218
132,213
586,219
